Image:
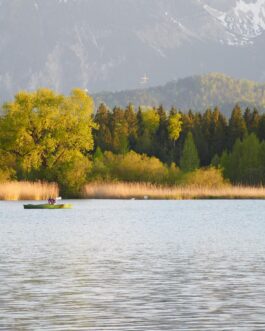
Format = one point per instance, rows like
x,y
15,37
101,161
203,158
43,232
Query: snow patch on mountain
x,y
179,25
253,15
245,21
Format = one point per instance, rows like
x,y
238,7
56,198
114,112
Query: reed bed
x,y
149,191
28,191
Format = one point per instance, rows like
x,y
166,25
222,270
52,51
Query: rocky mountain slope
x,y
123,44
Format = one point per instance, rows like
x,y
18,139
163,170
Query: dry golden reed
x,y
144,191
28,191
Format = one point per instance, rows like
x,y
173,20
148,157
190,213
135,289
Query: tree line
x,y
235,145
52,137
161,133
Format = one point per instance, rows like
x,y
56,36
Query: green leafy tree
x,y
120,132
98,155
72,173
190,158
229,162
148,121
243,165
188,124
175,125
42,132
249,163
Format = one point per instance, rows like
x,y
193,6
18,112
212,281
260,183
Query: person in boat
x,y
51,201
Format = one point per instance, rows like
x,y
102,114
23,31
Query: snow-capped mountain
x,y
123,44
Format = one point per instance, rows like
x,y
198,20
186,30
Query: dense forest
x,y
51,137
189,140
196,93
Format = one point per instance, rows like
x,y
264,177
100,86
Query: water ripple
x,y
133,265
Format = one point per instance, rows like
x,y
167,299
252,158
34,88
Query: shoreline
x,y
143,191
27,191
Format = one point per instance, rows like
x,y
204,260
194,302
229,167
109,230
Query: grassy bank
x,y
142,191
28,191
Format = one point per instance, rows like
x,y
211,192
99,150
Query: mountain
x,y
126,44
197,93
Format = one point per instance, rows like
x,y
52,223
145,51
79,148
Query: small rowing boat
x,y
49,206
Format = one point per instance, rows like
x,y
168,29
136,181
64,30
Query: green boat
x,y
48,206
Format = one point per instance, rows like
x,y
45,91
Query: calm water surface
x,y
133,265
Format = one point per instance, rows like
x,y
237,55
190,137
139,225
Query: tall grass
x,y
28,191
144,191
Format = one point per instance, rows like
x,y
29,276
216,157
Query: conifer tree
x,y
215,161
162,145
200,139
249,167
131,119
190,159
120,131
255,119
102,135
252,120
229,162
237,127
207,131
261,128
243,165
219,133
248,118
262,162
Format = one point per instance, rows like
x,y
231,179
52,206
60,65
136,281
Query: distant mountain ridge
x,y
197,93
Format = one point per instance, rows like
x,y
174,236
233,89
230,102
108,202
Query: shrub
x,y
209,177
131,167
6,175
135,167
174,175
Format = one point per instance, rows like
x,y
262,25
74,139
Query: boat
x,y
48,206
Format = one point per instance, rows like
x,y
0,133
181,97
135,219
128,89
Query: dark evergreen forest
x,y
235,144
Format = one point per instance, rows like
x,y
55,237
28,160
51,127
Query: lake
x,y
133,265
